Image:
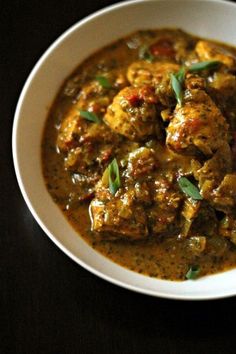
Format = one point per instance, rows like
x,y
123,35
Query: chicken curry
x,y
139,152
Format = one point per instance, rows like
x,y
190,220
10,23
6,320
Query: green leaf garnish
x,y
145,54
92,117
189,189
177,87
204,65
114,177
180,75
193,272
103,81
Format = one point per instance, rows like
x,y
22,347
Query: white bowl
x,y
208,18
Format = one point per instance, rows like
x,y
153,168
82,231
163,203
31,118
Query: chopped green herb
x,y
189,189
180,75
204,65
114,177
103,81
193,272
92,117
176,83
145,54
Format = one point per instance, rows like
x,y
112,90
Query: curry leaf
x,y
103,81
92,117
189,188
145,54
204,65
193,272
177,87
114,177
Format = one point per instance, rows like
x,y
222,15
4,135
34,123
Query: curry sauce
x,y
139,153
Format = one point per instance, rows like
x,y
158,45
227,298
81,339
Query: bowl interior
x,y
206,18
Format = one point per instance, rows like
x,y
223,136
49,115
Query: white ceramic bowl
x,y
208,18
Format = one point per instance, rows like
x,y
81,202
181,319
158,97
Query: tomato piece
x,y
143,94
147,94
133,99
106,155
163,48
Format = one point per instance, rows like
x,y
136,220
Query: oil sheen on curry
x,y
139,152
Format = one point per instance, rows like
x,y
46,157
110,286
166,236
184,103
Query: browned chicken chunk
x,y
133,113
217,184
118,216
224,197
197,125
211,51
142,72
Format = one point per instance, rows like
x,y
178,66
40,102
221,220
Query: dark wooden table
x,y
48,304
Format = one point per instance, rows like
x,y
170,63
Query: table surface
x,y
49,304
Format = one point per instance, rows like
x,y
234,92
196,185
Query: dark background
x,y
48,304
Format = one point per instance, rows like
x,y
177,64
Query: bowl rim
x,y
53,238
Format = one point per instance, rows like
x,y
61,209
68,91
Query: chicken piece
x,y
227,228
224,197
133,113
205,222
85,144
156,75
197,125
142,192
93,94
223,84
95,98
222,87
69,131
189,213
214,169
76,130
87,156
164,91
140,162
142,72
118,216
123,214
212,51
217,184
162,215
193,81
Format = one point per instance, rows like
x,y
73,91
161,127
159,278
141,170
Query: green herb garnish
x,y
189,188
177,79
103,81
204,65
180,75
193,272
177,87
145,54
92,117
114,177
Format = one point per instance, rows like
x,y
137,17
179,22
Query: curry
x,y
139,152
